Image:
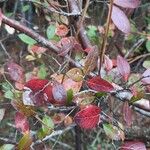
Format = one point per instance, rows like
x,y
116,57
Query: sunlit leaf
x,y
7,147
127,3
25,142
88,117
146,63
21,122
91,61
2,113
99,84
26,39
50,31
123,67
133,145
61,30
75,74
9,95
120,20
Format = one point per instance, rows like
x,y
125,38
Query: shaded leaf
x,y
127,114
146,76
91,61
26,39
120,20
69,96
88,117
50,32
61,30
21,122
75,74
99,84
59,93
123,67
2,113
25,142
15,71
127,3
133,145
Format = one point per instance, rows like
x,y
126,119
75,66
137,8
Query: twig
x,y
104,43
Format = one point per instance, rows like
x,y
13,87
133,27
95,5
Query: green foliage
x,y
148,45
25,8
50,32
42,73
26,39
69,96
7,147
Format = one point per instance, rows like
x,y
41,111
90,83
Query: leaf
x,y
2,113
146,63
120,20
91,61
50,32
133,145
75,74
108,63
99,84
113,132
59,93
88,117
36,49
146,76
25,8
15,71
42,73
9,95
127,114
148,45
37,92
25,142
1,17
48,125
26,39
58,118
62,30
21,122
7,147
123,67
69,96
127,3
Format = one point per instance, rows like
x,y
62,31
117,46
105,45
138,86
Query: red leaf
x,y
38,92
21,122
108,63
99,84
123,67
120,20
62,30
88,117
15,71
133,145
146,76
127,3
127,114
59,93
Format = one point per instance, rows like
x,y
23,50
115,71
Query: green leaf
x,y
25,142
6,86
48,125
26,39
148,45
41,134
7,147
69,96
9,95
25,8
146,63
50,32
42,72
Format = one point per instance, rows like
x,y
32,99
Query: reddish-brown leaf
x,y
37,49
38,92
108,63
127,114
127,3
88,117
99,84
15,71
61,30
133,145
123,67
146,76
91,61
21,122
59,93
120,20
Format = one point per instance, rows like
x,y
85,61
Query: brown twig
x,y
104,43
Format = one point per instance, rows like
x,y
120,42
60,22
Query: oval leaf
x,y
123,67
88,117
99,84
62,30
133,145
127,3
146,76
120,20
